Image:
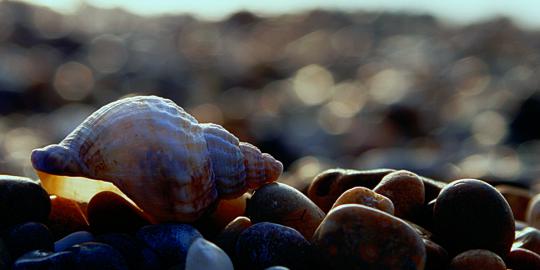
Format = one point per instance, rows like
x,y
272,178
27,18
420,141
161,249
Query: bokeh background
x,y
446,95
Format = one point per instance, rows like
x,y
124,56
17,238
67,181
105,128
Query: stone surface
x,y
137,255
66,217
471,214
360,237
227,238
267,244
406,191
204,255
436,256
522,259
92,256
28,236
517,198
45,260
22,200
367,197
477,259
73,239
282,204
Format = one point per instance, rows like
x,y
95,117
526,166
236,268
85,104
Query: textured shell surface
x,y
170,165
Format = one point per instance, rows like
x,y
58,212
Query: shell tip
x,y
55,159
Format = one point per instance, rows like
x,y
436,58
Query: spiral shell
x,y
170,165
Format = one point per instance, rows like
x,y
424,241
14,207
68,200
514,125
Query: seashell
x,y
170,165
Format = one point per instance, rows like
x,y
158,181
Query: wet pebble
x,y
367,197
517,198
327,186
227,238
204,255
66,217
533,212
471,214
137,255
110,212
169,241
477,259
22,200
522,259
282,204
28,236
268,244
73,239
528,238
406,191
45,260
92,256
360,237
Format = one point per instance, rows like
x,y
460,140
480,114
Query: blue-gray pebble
x,y
268,244
73,239
97,256
45,260
137,255
28,236
170,241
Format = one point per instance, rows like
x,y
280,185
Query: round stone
x,y
406,191
367,197
22,200
28,236
477,259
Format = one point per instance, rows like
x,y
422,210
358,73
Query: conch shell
x,y
171,166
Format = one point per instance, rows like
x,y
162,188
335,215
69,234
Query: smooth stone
x,y
406,191
360,237
532,215
73,239
28,236
436,256
471,214
528,238
204,255
277,268
66,217
425,217
282,204
432,188
22,200
110,212
522,259
367,197
169,241
45,260
267,244
5,258
93,256
227,238
477,259
327,186
137,255
517,198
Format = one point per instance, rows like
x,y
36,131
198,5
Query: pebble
x,y
93,256
517,198
522,259
406,191
22,200
110,212
471,214
228,210
367,197
227,238
282,204
169,241
432,188
73,239
327,186
66,217
436,256
359,237
277,268
476,259
528,238
204,255
28,236
45,260
5,259
137,255
532,215
267,244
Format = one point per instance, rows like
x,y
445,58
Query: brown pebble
x,y
517,198
227,238
282,204
110,212
354,236
367,197
66,217
436,256
330,184
528,238
406,190
532,215
522,259
432,188
471,214
228,210
476,259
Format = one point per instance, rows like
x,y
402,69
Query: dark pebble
x,y
471,214
66,217
97,256
406,191
27,237
73,239
268,244
522,259
476,259
138,256
517,198
45,260
227,238
22,200
436,256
